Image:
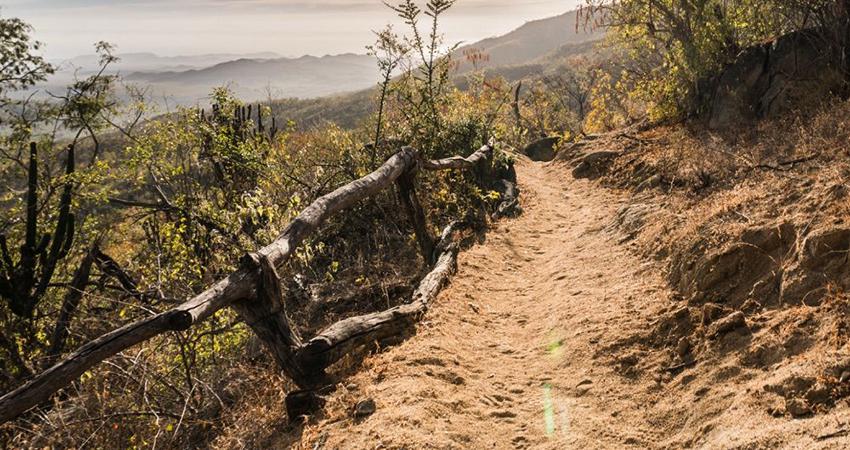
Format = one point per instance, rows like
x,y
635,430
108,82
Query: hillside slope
x,y
539,343
531,42
151,62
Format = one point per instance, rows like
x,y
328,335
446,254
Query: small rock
x,y
727,324
454,379
711,312
845,376
819,394
542,150
582,391
797,407
365,408
683,347
351,386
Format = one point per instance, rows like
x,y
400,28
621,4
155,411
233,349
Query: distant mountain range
x,y
532,50
531,42
255,79
188,80
149,62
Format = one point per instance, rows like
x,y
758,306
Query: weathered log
x,y
345,336
323,208
509,205
241,285
40,388
459,162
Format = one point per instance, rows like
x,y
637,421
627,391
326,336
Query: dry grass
x,y
715,184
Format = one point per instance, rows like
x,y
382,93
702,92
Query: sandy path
x,y
517,352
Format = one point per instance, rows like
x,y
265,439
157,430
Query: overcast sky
x,y
288,27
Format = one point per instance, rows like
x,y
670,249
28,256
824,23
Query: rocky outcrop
x,y
823,262
750,267
770,265
542,150
768,79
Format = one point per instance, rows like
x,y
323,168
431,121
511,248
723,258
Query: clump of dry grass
x,y
257,416
713,184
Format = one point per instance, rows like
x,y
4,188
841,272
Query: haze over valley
x,y
264,75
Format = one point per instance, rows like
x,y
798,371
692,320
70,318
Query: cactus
x,y
24,283
260,128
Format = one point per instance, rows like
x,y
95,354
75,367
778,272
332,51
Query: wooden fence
x,y
254,290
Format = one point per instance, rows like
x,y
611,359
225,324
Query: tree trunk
x,y
267,316
238,286
254,290
407,193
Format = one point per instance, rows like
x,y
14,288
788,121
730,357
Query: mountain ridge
x,y
261,76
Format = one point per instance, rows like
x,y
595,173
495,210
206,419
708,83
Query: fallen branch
x,y
783,166
459,162
241,288
344,337
238,286
840,433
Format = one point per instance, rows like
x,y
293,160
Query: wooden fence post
x,y
267,317
407,193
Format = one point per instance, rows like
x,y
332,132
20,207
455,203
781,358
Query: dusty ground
x,y
537,343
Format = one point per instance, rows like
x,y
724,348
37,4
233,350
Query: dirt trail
x,y
515,353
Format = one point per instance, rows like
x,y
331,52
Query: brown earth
x,y
555,335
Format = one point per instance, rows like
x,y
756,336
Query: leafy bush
x,y
673,45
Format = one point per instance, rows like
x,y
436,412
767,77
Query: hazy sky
x,y
288,27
